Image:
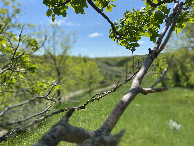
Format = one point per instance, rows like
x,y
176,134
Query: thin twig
x,y
27,101
28,118
116,34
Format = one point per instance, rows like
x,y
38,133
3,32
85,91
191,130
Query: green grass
x,y
146,120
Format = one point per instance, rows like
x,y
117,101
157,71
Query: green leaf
x,y
21,76
49,12
53,17
148,34
177,30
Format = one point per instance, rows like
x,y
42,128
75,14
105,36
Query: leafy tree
x,y
57,55
90,74
18,95
15,48
182,72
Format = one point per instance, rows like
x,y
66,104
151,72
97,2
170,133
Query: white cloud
x,y
96,34
58,22
140,42
62,22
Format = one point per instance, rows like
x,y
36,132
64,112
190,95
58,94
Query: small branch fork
x,y
63,131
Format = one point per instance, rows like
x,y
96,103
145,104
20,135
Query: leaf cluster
x,y
60,7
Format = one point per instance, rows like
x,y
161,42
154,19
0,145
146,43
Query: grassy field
x,y
146,120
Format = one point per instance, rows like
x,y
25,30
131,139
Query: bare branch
x,y
109,140
145,91
28,118
65,132
27,101
167,25
69,109
62,131
116,34
116,113
160,78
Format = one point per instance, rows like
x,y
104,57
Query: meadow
x,y
146,120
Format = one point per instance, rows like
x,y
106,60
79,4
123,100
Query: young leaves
x,y
60,7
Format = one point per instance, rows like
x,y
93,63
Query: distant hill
x,y
113,68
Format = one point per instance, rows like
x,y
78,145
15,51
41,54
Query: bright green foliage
x,y
159,65
57,7
16,67
90,74
181,72
138,23
14,48
133,25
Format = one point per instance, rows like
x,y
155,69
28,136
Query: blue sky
x,y
93,29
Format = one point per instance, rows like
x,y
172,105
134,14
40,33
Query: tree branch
x,y
109,140
27,101
65,132
62,131
167,25
28,118
103,94
172,27
145,91
116,34
113,118
13,56
160,78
